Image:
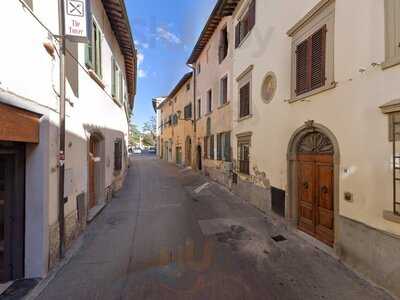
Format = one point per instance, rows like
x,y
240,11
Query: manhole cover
x,y
279,238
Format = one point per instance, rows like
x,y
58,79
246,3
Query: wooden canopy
x,y
116,12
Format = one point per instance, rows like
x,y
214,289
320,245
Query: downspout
x,y
194,143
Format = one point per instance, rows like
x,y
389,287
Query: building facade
x,y
100,91
314,119
177,123
212,60
156,103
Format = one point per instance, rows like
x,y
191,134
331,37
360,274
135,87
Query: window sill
x,y
224,105
387,64
96,78
207,114
304,96
245,118
391,217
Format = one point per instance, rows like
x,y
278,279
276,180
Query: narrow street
x,y
168,235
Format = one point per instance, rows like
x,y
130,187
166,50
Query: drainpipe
x,y
194,143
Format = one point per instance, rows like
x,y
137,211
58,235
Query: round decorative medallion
x,y
268,87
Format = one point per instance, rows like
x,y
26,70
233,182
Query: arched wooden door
x,y
315,186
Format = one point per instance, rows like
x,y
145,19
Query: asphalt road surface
x,y
171,234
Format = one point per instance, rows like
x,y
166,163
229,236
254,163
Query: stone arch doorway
x,y
188,151
313,182
199,162
96,169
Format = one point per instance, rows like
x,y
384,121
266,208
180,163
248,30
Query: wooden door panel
x,y
306,174
315,196
324,202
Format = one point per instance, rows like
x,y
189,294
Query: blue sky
x,y
165,32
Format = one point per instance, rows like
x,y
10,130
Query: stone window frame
x,y
221,102
392,37
322,14
392,109
246,77
244,139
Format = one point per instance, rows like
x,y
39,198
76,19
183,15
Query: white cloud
x,y
141,72
168,36
140,44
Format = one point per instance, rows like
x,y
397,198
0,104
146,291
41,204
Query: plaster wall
x,y
212,71
32,75
350,110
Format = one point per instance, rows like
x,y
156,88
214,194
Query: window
x,y
188,86
93,51
245,24
223,45
244,142
224,90
244,101
198,68
199,108
209,101
212,147
116,81
188,112
392,33
310,62
206,147
224,146
313,52
118,155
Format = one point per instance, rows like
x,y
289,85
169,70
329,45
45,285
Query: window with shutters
x,y
224,146
93,51
212,140
313,52
209,101
310,62
245,23
188,112
206,147
116,82
223,45
244,143
392,33
198,108
118,155
244,101
224,90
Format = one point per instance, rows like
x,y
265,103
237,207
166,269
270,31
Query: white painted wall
x,y
351,110
29,72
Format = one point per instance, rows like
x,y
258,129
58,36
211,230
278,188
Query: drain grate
x,y
279,238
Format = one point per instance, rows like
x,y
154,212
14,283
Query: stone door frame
x,y
291,199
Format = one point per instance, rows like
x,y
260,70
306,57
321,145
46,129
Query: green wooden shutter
x,y
98,53
113,77
212,147
219,146
227,147
121,90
